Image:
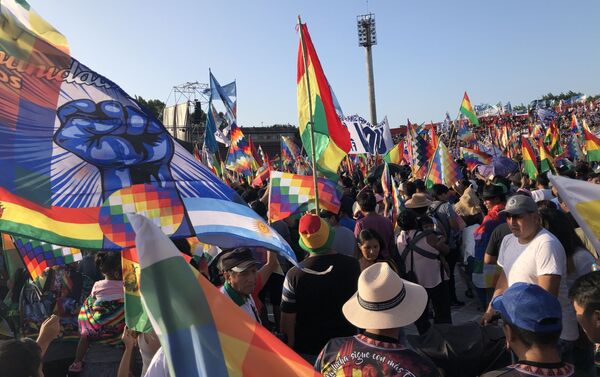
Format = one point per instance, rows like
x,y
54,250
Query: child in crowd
x,y
101,308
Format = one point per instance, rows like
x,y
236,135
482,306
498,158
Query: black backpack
x,y
443,224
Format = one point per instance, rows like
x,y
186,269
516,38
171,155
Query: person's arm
x,y
49,330
287,325
265,197
287,322
490,259
501,286
550,283
269,267
129,343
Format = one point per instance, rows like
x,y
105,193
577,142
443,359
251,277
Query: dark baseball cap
x,y
519,204
530,307
237,260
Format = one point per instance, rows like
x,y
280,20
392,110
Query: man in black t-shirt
x,y
311,304
493,247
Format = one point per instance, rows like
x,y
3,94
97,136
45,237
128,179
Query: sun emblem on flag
x,y
262,228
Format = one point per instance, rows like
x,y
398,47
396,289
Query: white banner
x,y
181,116
366,138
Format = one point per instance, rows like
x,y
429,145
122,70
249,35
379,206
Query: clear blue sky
x,y
428,52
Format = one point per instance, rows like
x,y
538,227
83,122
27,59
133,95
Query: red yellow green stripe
x,y
394,155
331,138
529,159
76,227
467,110
591,145
546,159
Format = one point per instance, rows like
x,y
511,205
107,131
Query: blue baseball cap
x,y
530,307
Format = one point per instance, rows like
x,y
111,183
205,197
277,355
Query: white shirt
x,y
249,306
158,366
544,255
583,261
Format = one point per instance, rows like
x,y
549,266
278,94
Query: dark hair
x,y
249,195
260,208
557,223
409,188
366,200
346,182
19,280
420,185
585,291
546,204
529,338
109,263
438,189
20,358
183,246
407,220
582,169
346,205
367,235
542,179
377,187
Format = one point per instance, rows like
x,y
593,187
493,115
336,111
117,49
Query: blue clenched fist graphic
x,y
126,145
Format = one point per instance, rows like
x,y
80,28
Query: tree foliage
x,y
561,96
154,106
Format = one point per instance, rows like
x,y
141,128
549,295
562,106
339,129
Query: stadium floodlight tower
x,y
367,38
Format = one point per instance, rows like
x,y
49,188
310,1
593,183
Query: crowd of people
x,y
368,294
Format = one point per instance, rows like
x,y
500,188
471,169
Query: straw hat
x,y
418,200
468,204
384,300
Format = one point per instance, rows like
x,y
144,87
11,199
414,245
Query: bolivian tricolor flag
x,y
592,145
467,109
76,227
395,154
529,159
546,158
331,137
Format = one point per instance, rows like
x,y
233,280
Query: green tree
x,y
520,107
154,106
561,96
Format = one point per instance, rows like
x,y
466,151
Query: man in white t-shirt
x,y
533,255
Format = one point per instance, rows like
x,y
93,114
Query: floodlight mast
x,y
367,38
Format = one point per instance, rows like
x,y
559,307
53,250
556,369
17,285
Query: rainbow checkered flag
x,y
203,332
474,157
293,193
420,153
39,255
443,169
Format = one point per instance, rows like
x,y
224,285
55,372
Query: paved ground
x,y
467,313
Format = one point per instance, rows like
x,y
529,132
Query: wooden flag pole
x,y
311,123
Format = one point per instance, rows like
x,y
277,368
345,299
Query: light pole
x,y
367,38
